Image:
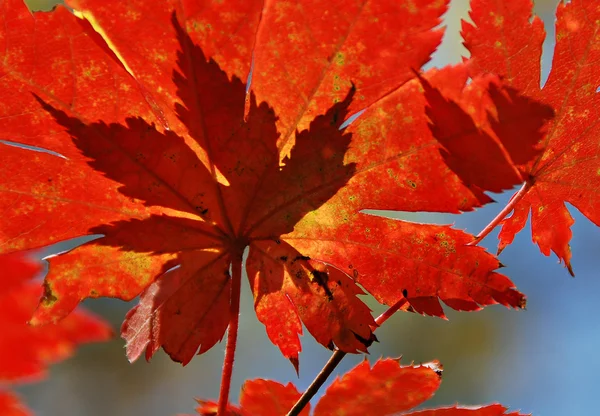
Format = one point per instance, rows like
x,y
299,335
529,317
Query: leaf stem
x,y
391,310
333,362
338,355
516,198
234,313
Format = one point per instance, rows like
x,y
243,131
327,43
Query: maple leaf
x,y
568,168
386,388
166,154
38,347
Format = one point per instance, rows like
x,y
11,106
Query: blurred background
x,y
543,360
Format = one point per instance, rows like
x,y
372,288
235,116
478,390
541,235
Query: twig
x,y
333,361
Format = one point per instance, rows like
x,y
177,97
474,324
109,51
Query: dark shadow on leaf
x,y
245,149
285,282
146,162
150,235
482,162
186,309
263,199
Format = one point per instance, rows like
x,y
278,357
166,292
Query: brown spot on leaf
x,y
321,278
48,297
300,258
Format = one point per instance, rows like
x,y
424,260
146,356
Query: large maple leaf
x,y
386,388
26,351
167,156
568,168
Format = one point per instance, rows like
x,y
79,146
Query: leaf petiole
x,y
232,332
516,198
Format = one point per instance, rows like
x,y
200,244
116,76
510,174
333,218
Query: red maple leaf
x,y
386,388
26,351
167,156
568,168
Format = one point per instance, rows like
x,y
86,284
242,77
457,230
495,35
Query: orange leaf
x,y
417,261
567,170
180,169
384,389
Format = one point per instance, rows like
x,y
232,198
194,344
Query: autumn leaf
x,y
10,405
386,388
159,147
26,351
568,168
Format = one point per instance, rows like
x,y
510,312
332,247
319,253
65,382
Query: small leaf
x,y
158,144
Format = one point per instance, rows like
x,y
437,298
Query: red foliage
x,y
185,132
193,196
38,347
